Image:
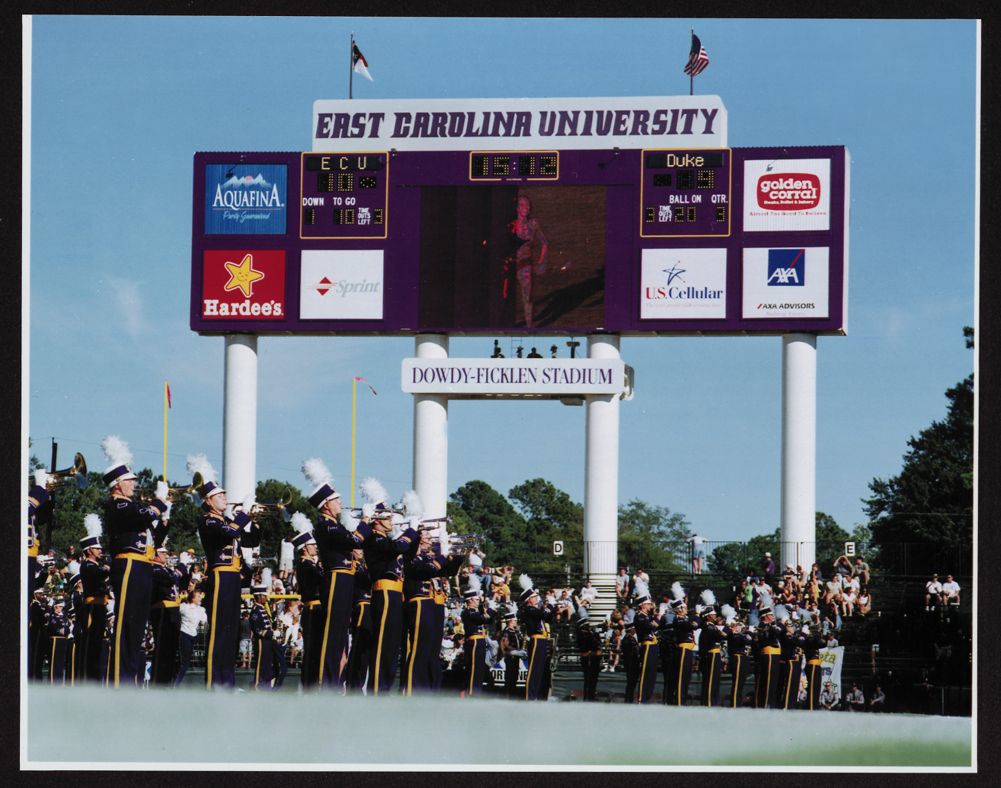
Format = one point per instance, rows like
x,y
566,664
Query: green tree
x,y
652,537
831,539
930,502
476,507
550,515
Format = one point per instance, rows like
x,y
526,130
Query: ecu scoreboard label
x,y
685,193
344,195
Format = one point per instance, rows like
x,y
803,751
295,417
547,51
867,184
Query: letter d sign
x,y
558,547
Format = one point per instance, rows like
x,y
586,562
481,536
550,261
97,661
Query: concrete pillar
x,y
431,434
799,449
601,479
239,419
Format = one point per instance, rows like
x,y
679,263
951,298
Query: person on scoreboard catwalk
x,y
223,532
165,617
534,617
793,645
94,578
526,237
424,619
385,550
739,647
309,576
589,643
475,617
335,544
270,665
361,626
766,671
711,639
814,671
645,623
131,528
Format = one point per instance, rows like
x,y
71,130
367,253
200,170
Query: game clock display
x,y
344,195
685,193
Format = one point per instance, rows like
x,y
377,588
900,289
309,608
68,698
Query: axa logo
x,y
786,267
788,191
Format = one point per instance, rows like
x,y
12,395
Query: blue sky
x,y
120,104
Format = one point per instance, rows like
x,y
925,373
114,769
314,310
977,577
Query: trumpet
x,y
434,523
463,544
77,474
175,493
282,505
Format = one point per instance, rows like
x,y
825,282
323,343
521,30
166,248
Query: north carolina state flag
x,y
359,63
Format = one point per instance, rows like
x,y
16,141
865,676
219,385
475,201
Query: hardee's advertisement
x,y
243,284
787,194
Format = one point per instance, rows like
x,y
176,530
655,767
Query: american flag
x,y
698,58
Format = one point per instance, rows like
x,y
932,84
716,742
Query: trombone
x,y
282,505
77,474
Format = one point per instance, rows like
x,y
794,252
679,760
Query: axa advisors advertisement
x,y
243,284
787,194
341,284
245,199
788,282
683,284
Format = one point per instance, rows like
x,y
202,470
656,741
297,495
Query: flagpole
x,y
351,74
691,77
165,409
354,424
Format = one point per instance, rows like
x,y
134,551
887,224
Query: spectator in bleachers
x,y
768,567
933,593
864,602
878,701
950,591
588,592
622,584
829,697
861,570
843,566
855,699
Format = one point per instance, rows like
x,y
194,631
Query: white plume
x,y
512,609
525,582
765,599
367,509
315,471
116,450
412,504
640,588
92,523
729,614
708,598
301,523
677,592
781,614
443,539
474,583
199,463
266,577
373,491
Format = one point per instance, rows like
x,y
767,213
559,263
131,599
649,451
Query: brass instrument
x,y
282,505
175,493
77,474
463,544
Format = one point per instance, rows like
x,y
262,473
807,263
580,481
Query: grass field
x,y
188,728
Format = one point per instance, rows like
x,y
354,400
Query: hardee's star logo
x,y
243,276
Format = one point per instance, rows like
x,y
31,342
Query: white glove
x,y
367,510
248,503
162,490
42,477
228,512
166,515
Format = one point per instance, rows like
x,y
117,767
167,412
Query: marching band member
x,y
309,573
739,645
793,645
511,648
684,643
222,533
646,628
335,544
38,497
270,665
439,585
128,524
78,619
535,616
361,625
589,643
37,615
94,576
814,672
58,629
766,672
165,617
710,642
384,555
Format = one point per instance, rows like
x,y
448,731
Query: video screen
x,y
512,258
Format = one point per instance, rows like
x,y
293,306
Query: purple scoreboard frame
x,y
632,180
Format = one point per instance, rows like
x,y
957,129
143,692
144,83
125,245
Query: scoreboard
x,y
560,240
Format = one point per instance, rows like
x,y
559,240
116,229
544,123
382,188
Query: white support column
x,y
239,419
431,435
601,478
799,449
